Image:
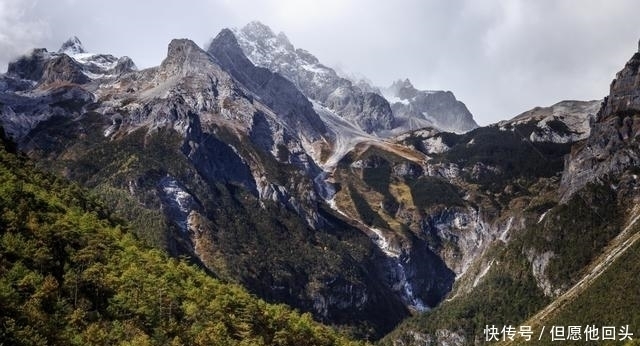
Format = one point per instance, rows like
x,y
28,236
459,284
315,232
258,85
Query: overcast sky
x,y
499,57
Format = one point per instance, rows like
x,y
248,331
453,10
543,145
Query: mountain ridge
x,y
364,106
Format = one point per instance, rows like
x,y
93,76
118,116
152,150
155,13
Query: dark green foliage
x,y
367,215
576,232
450,139
147,223
612,300
511,152
416,142
559,127
135,161
431,191
70,275
283,153
378,177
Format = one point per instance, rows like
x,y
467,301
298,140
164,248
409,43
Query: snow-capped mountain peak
x,y
318,82
256,30
72,46
354,99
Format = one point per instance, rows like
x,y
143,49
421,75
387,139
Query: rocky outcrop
x,y
624,94
614,144
123,65
414,109
184,57
563,122
63,69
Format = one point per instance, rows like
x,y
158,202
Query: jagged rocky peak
x,y
181,48
96,65
71,63
624,90
318,82
186,56
414,109
613,145
403,89
72,46
275,91
266,49
225,41
257,31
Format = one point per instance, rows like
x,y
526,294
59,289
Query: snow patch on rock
x,y
178,203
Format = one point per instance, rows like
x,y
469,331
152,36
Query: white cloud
x,y
19,30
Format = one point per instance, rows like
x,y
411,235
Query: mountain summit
x,y
72,46
277,92
354,101
318,82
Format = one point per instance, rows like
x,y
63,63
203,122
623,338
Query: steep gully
x,y
348,136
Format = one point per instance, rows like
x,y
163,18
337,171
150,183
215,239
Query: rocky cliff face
x,y
72,46
63,69
613,145
414,109
274,91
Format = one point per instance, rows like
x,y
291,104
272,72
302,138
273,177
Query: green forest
x,y
71,274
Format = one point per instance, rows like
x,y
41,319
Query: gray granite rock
x,y
613,145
